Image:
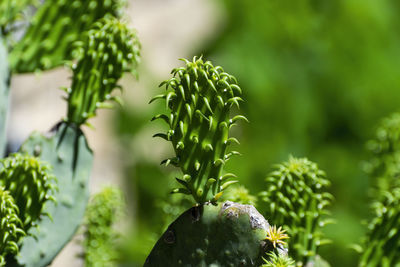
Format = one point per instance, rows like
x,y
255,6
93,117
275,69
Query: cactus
x,y
296,198
239,194
384,165
200,98
11,229
382,244
66,147
31,184
10,12
227,234
67,151
55,27
4,91
109,49
277,260
104,210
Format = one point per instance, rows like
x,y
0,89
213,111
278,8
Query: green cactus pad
x,y
227,234
55,26
11,228
30,182
104,210
108,50
4,91
296,198
200,97
382,243
67,151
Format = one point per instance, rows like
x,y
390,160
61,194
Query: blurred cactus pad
x,y
200,97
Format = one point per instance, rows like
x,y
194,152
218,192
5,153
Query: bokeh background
x,y
317,77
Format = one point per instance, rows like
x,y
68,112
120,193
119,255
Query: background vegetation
x,y
317,77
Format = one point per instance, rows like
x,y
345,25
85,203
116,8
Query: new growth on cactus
x,y
200,97
108,50
26,185
382,243
30,182
10,12
384,165
11,230
296,198
103,211
54,28
278,260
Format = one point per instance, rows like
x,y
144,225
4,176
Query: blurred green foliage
x,y
317,76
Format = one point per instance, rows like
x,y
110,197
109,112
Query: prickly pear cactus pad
x,y
200,97
11,229
382,243
227,234
108,50
104,210
296,198
55,26
4,91
67,151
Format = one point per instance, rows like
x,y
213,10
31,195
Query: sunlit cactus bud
x,y
56,25
108,50
384,165
382,243
30,182
11,229
200,97
104,210
297,199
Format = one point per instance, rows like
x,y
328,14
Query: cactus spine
x,y
297,199
200,97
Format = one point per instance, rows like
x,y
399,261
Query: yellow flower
x,y
276,236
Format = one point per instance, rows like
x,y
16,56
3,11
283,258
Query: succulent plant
x,y
297,199
382,243
108,50
31,183
278,260
103,212
11,230
200,97
227,234
56,25
384,165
